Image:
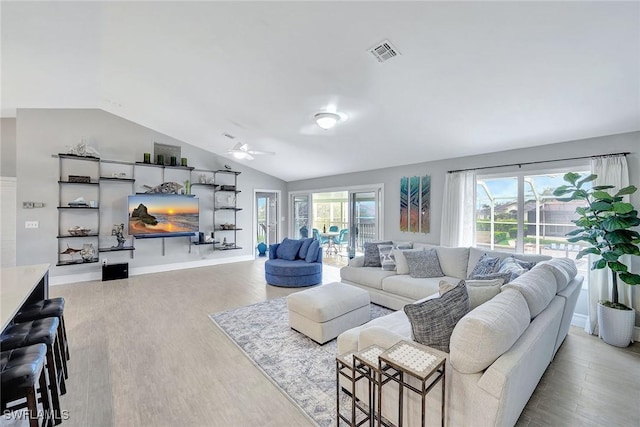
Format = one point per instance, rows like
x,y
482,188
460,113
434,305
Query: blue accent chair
x,y
319,238
334,228
343,238
304,232
302,271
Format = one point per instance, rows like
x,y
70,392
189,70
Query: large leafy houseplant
x,y
605,224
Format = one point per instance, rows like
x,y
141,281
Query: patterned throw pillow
x,y
493,276
372,254
423,263
513,266
387,260
401,260
433,320
486,265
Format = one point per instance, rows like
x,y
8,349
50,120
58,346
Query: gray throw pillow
x,y
486,265
372,254
433,320
423,263
504,276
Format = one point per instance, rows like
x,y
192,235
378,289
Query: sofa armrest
x,y
272,250
357,261
378,335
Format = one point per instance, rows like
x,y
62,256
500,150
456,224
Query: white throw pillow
x,y
480,291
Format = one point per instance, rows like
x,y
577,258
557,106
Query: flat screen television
x,y
163,215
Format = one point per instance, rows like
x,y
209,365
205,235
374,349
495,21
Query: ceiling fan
x,y
243,152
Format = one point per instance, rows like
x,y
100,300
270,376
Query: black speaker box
x,y
115,271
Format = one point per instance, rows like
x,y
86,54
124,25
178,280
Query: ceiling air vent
x,y
384,51
228,135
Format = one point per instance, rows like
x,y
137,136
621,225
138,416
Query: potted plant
x,y
605,224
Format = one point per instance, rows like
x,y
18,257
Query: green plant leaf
x,y
602,187
574,232
617,266
630,278
610,256
613,223
603,195
562,190
586,179
628,249
627,190
620,236
601,206
571,177
581,210
622,208
588,251
599,264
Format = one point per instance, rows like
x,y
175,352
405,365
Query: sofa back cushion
x,y
453,261
537,286
288,249
304,247
489,330
564,270
433,320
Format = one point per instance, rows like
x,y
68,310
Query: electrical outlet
x,y
27,205
31,224
104,261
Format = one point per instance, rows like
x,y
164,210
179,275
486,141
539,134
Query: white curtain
x,y
458,209
611,171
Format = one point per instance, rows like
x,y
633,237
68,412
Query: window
x,y
518,213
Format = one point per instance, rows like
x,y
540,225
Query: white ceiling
x,y
473,77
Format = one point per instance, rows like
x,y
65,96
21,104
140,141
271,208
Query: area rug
x,y
302,369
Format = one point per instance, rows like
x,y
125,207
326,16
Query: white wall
x,y
44,132
7,147
628,142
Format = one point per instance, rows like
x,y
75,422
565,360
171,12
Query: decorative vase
x,y
88,252
262,249
616,326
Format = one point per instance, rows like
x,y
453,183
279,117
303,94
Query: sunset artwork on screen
x,y
163,215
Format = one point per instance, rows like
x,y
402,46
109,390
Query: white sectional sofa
x,y
498,351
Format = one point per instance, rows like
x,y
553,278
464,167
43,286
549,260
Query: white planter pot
x,y
616,326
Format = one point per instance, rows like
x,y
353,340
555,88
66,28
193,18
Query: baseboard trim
x,y
87,277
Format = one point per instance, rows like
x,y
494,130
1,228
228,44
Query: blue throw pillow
x,y
486,265
302,253
288,249
312,252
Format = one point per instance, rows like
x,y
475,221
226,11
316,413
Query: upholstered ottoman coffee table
x,y
324,312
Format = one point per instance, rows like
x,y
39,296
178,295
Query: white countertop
x,y
16,284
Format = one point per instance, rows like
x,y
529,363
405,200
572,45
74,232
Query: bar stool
x,y
20,370
53,307
43,331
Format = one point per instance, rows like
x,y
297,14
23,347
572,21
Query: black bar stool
x,y
20,370
53,307
43,331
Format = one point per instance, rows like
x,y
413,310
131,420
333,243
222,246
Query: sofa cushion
x,y
304,247
312,252
387,259
372,254
538,286
432,321
424,264
367,276
402,267
485,265
564,270
480,291
413,288
504,277
288,249
489,330
453,261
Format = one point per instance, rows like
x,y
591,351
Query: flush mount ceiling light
x,y
327,120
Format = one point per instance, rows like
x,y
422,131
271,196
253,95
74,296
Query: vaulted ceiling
x,y
471,77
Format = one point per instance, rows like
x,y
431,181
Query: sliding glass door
x,y
301,216
364,225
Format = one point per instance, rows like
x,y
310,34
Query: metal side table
x,y
425,364
355,367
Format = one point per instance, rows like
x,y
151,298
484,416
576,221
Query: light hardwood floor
x,y
145,353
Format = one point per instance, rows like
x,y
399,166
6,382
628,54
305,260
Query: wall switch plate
x,y
31,224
